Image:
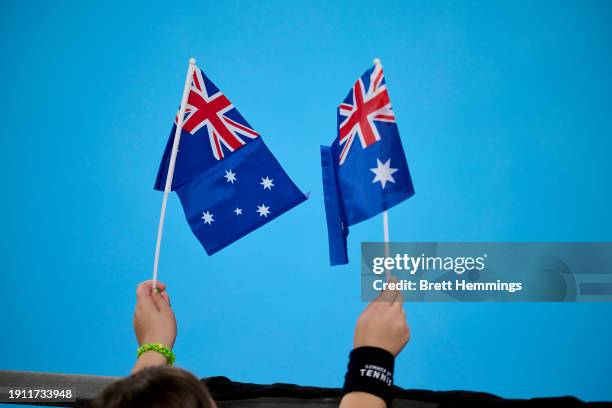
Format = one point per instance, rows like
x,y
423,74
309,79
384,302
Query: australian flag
x,y
228,182
364,170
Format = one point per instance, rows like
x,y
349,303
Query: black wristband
x,y
370,369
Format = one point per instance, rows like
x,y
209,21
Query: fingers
x,y
145,288
144,293
149,285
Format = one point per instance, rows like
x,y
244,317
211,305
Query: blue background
x,y
504,112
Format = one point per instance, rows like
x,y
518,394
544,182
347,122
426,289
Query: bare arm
x,y
362,400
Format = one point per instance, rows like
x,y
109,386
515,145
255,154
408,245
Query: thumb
x,y
389,295
160,302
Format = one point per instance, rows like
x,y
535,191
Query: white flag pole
x,y
170,174
386,231
385,214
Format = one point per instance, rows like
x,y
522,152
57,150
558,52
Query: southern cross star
x,y
238,211
207,217
267,183
263,210
230,176
383,172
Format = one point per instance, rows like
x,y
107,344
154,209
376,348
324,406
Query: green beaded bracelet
x,y
160,348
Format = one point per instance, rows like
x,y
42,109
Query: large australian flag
x,y
364,170
228,182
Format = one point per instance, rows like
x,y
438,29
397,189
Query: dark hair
x,y
156,387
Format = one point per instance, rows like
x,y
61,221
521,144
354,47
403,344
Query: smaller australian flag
x,y
364,170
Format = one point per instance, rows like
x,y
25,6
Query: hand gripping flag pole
x,y
175,145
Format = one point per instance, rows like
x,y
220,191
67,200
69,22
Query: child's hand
x,y
383,323
154,320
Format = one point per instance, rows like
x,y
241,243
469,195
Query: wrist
x,y
149,359
157,348
156,339
370,370
376,344
152,357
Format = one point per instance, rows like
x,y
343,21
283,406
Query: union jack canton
x,y
208,106
363,106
